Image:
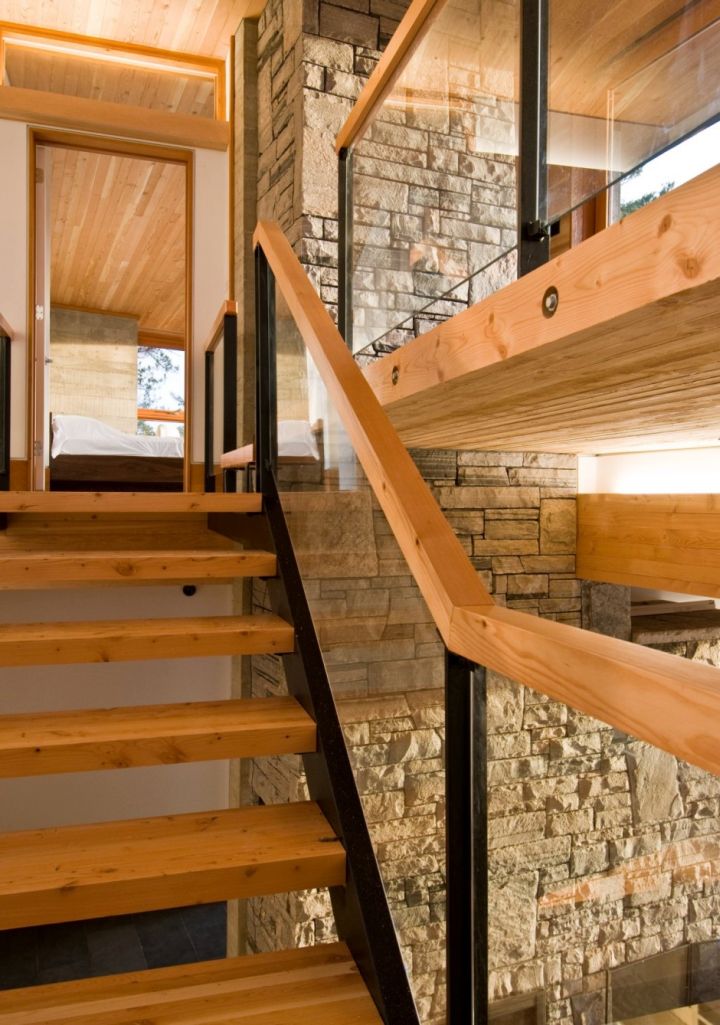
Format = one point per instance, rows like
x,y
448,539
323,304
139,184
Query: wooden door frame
x,y
111,147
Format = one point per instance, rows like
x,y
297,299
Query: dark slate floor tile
x,y
18,958
62,952
207,927
114,946
164,938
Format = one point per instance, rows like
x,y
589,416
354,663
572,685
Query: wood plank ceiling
x,y
118,236
201,28
115,83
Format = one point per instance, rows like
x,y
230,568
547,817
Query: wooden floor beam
x,y
629,359
661,542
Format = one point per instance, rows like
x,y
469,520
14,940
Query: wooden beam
x,y
662,699
416,20
160,339
318,984
83,740
43,644
137,502
126,121
628,360
444,574
663,542
71,873
25,570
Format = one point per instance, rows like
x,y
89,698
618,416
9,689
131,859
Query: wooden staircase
x,y
77,872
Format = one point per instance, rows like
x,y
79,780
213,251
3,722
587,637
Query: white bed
x,y
86,454
85,436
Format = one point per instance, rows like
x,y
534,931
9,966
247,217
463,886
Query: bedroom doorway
x,y
110,384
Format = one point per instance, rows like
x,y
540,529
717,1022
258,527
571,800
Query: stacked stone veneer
x,y
431,208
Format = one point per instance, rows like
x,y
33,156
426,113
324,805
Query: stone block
x,y
488,498
349,26
527,584
513,920
511,528
558,526
653,783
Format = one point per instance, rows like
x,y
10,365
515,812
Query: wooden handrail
x,y
659,698
175,416
228,308
5,328
416,20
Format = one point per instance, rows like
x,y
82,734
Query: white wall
x,y
210,270
14,266
673,471
124,793
210,266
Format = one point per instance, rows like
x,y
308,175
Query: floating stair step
x,y
33,744
123,640
320,984
127,502
115,868
67,569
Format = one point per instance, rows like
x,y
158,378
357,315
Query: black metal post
x,y
265,373
345,247
5,413
466,870
230,386
209,421
533,229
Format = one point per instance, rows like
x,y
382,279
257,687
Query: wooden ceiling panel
x,y
118,236
182,25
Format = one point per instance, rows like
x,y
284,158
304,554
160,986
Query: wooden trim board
x,y
628,361
663,542
228,309
115,119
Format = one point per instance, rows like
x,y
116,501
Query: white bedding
x,y
296,438
85,436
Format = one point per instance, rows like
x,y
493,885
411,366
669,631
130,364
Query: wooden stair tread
x,y
20,569
116,738
128,502
319,984
123,640
70,873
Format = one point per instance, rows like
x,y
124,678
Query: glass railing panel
x,y
604,866
114,80
624,85
434,174
498,273
385,663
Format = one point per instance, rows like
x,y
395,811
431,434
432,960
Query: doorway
x,y
110,388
